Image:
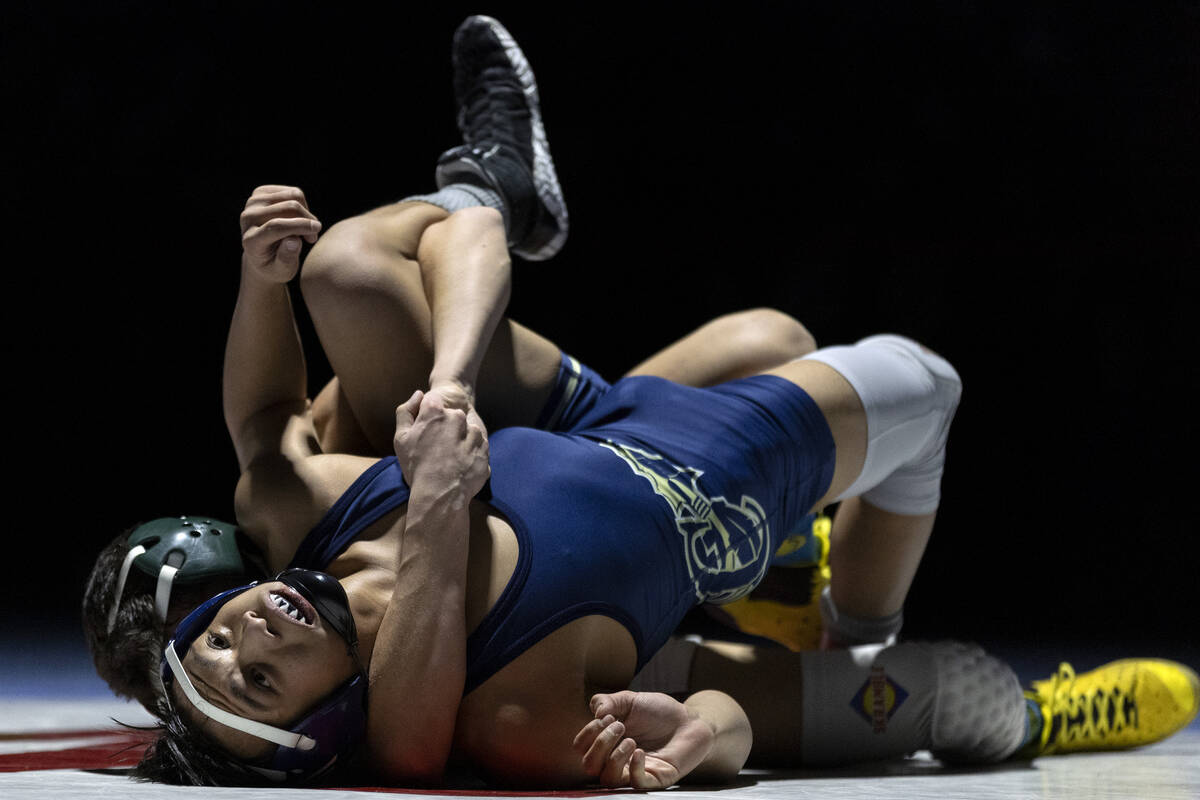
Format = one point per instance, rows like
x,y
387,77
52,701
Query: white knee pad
x,y
872,702
910,395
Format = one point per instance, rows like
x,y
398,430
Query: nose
x,y
258,636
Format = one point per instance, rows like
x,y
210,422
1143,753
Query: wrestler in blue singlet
x,y
653,499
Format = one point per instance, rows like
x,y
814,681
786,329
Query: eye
x,y
259,679
217,642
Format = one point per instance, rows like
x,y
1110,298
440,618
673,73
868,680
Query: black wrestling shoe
x,y
505,146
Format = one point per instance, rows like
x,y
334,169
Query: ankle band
x,y
457,196
849,631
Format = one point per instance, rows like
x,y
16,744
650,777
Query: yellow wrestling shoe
x,y
784,606
1127,703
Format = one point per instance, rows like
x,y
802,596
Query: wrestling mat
x,y
59,739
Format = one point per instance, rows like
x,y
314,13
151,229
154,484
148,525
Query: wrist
x,y
254,274
434,493
253,277
455,382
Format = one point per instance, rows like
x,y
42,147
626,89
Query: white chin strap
x,y
260,729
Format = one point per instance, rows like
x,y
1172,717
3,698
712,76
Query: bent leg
x,y
870,547
870,702
891,453
362,285
731,346
337,427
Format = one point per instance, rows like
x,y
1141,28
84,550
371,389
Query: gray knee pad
x,y
979,715
909,395
875,702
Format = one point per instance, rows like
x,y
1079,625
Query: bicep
x,y
284,430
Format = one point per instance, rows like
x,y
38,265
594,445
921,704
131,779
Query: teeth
x,y
287,607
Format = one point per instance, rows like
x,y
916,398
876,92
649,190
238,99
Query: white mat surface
x,y
1168,771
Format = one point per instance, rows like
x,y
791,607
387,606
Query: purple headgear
x,y
331,730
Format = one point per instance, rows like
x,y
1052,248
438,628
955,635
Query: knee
x,y
345,260
979,716
775,335
945,383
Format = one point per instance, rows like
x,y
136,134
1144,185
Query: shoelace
x,y
489,112
1087,715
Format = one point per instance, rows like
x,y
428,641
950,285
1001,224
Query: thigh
x,y
363,288
337,426
843,412
731,346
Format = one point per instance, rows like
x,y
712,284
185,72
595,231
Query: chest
x,y
491,561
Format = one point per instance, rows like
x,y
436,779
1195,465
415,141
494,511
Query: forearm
x,y
732,737
264,359
465,271
418,667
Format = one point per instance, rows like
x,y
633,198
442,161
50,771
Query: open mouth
x,y
292,605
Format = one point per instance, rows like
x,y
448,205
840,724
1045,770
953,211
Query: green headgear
x,y
184,550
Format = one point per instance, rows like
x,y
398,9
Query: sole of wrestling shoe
x,y
549,232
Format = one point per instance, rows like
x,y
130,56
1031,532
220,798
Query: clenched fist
x,y
274,221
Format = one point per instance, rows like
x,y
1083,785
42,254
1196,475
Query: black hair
x,y
128,657
182,755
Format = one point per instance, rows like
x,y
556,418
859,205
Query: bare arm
x,y
418,666
650,741
264,361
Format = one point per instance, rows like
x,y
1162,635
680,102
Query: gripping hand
x,y
274,221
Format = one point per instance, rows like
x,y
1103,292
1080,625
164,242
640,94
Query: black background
x,y
1013,185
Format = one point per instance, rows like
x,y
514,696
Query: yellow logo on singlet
x,y
724,543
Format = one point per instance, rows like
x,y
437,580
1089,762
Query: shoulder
x,y
280,498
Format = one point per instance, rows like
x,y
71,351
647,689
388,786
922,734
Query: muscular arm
x,y
264,361
418,666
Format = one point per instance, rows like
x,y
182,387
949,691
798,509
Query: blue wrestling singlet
x,y
657,498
